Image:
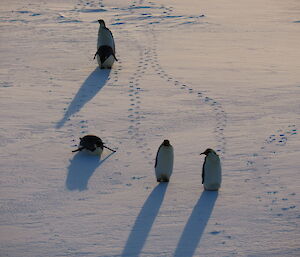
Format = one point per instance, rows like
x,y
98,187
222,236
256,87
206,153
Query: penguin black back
x,y
104,52
90,142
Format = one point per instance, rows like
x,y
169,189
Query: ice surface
x,y
219,74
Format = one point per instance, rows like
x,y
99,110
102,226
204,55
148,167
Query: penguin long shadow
x,y
144,221
196,224
80,170
90,87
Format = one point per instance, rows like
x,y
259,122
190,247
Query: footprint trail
x,y
275,196
136,115
216,107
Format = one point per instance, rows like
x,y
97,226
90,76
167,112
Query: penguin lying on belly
x,y
92,145
211,171
164,162
105,47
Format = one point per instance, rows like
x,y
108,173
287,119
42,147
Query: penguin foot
x,y
211,189
162,180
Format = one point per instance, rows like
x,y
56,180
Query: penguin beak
x,y
201,153
206,152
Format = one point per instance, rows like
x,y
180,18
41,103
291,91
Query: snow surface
x,y
219,74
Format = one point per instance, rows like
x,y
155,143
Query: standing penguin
x,y
164,162
92,145
105,47
211,171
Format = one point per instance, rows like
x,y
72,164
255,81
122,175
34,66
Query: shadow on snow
x,y
144,221
196,224
81,168
90,87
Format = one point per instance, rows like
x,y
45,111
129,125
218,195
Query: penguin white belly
x,y
164,166
213,177
98,151
107,63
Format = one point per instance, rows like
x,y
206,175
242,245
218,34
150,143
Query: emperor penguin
x,y
92,145
211,171
164,162
105,47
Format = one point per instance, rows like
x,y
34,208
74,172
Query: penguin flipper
x,y
115,57
109,148
97,53
203,172
156,157
77,150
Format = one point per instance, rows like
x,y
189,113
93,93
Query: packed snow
x,y
203,74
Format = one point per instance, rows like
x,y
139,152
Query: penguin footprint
x,y
281,136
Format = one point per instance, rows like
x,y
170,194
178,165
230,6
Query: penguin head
x,y
101,22
166,142
209,151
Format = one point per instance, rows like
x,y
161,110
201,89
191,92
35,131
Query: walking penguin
x,y
105,47
92,145
164,162
211,170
